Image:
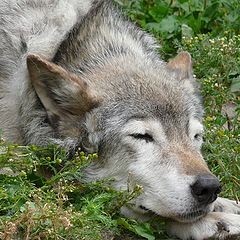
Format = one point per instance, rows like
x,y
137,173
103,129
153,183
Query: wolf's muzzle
x,y
206,188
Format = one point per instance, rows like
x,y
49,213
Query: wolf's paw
x,y
226,205
215,225
68,144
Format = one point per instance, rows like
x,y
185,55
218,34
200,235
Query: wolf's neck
x,y
101,36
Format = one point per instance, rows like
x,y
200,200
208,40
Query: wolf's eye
x,y
147,137
198,136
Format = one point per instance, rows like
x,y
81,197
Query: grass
x,y
170,20
64,207
217,66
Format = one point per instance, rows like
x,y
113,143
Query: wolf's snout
x,y
206,188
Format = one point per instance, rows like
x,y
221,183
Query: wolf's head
x,y
147,131
110,91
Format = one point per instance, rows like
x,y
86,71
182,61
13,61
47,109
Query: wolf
x,y
78,73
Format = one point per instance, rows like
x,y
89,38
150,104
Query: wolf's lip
x,y
144,208
191,216
185,217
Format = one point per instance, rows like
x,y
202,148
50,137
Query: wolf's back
x,y
36,26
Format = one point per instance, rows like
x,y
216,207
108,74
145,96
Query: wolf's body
x,y
78,74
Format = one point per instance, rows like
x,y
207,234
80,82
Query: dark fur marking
x,y
24,47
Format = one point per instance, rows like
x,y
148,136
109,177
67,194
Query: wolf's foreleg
x,y
226,205
216,225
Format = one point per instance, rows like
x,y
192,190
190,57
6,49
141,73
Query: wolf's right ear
x,y
182,65
61,92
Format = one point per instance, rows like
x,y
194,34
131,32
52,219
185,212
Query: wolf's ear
x,y
61,92
182,65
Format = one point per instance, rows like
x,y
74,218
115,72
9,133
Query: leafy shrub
x,y
217,67
171,19
60,205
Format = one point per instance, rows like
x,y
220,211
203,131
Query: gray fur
x,y
93,77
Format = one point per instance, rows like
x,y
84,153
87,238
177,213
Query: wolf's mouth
x,y
184,217
144,208
191,216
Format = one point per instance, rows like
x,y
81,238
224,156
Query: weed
x,y
60,205
216,65
171,20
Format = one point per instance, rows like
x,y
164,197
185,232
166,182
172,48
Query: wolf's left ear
x,y
182,65
61,92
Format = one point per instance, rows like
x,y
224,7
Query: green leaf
x,y
185,7
186,31
183,1
168,24
144,230
211,10
124,223
153,26
235,86
159,11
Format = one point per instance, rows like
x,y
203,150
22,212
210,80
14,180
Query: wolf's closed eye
x,y
198,136
147,137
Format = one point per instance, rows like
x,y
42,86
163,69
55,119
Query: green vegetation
x,y
61,206
170,20
217,68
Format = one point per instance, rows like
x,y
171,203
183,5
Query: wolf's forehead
x,y
176,113
153,125
163,96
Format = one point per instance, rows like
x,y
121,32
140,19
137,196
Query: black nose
x,y
206,188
